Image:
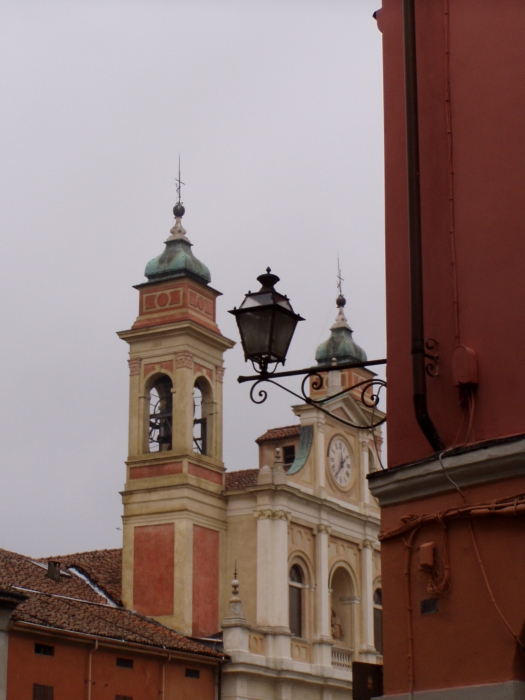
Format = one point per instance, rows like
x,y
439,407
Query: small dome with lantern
x,y
340,346
177,259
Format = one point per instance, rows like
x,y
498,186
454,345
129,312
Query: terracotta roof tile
x,y
280,433
102,566
236,481
103,621
72,605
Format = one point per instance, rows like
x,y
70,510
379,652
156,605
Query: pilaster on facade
x,y
323,641
365,496
320,449
367,649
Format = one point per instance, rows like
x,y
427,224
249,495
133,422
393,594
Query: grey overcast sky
x,y
276,108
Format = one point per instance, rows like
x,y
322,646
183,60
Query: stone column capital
x,y
263,514
134,367
184,359
324,529
271,514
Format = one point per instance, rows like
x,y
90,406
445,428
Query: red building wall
x,y
67,672
153,569
466,642
205,581
472,177
471,85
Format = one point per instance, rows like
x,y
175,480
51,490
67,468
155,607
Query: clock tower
x,y
174,519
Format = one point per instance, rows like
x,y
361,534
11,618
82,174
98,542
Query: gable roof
x,y
288,431
73,604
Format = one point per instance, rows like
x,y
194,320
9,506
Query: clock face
x,y
339,462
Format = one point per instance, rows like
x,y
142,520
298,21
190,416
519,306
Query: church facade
x,y
298,533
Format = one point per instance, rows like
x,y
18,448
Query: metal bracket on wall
x,y
370,389
432,367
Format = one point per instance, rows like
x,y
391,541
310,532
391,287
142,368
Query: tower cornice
x,y
178,328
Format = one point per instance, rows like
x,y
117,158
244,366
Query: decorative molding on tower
x,y
271,514
134,367
184,359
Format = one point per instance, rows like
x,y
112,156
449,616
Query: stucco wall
x,y
67,672
466,642
486,155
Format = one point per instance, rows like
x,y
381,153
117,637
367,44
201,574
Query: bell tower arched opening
x,y
160,414
203,413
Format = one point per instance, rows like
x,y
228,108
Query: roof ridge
x,y
76,554
65,597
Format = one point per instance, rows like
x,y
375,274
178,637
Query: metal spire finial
x,y
341,301
340,280
179,184
178,209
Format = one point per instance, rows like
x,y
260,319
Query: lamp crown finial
x,y
268,280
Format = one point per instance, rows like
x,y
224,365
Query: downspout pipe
x,y
419,380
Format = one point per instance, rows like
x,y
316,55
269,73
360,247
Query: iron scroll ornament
x,y
259,395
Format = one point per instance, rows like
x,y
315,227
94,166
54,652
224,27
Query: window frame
x,y
297,587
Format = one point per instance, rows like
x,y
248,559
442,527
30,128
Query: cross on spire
x,y
179,184
340,280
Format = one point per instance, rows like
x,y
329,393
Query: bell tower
x,y
174,513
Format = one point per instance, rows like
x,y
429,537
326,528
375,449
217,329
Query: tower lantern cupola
x,y
340,346
177,258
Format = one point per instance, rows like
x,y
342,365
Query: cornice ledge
x,y
488,463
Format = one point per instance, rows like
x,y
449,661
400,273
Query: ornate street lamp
x,y
266,323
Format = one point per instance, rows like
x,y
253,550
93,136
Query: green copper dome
x,y
340,345
177,258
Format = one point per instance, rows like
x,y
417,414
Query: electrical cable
x,y
471,409
511,507
489,589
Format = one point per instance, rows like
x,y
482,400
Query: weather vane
x,y
340,280
179,184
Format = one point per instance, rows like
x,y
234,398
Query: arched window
x,y
295,587
342,622
378,620
160,415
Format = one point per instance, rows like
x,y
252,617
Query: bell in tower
x,y
174,512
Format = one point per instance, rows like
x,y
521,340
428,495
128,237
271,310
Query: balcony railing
x,y
342,658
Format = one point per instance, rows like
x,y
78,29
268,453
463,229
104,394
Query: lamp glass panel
x,y
255,328
257,300
283,331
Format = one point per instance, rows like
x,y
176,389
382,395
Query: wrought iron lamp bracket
x,y
370,389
